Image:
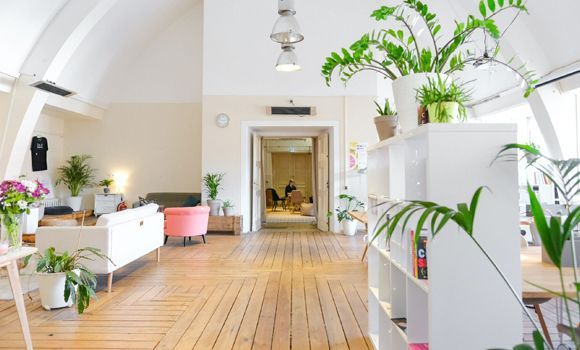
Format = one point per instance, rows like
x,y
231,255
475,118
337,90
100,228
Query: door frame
x,y
308,128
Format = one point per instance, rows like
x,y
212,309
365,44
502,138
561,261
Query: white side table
x,y
106,203
9,262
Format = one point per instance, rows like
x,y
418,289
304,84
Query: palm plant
x,y
106,182
77,174
212,183
394,53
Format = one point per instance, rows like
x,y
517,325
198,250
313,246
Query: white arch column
x,y
46,60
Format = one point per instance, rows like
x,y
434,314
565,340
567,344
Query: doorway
x,y
324,165
289,180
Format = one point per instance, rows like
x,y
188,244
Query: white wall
x,y
157,146
53,129
168,69
222,148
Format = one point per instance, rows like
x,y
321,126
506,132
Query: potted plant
x,y
228,208
63,280
444,101
397,55
386,121
344,218
76,175
212,183
106,183
16,197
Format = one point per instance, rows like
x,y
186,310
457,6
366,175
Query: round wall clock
x,y
222,120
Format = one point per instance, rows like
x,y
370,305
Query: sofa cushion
x,y
58,210
191,201
127,215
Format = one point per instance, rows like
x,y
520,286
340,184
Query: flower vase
x,y
11,230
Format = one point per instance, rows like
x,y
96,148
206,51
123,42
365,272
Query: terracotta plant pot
x,y
386,126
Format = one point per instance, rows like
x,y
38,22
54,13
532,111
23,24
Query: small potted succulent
x,y
344,218
445,100
212,183
228,208
106,183
386,120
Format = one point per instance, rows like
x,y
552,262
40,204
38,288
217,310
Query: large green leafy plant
x,y
393,53
77,174
348,203
79,288
212,183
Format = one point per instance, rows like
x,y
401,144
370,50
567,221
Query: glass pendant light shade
x,y
287,61
286,29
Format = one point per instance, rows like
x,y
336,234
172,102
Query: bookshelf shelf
x,y
445,163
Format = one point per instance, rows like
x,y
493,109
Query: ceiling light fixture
x,y
287,61
286,29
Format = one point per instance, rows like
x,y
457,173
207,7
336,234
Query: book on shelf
x,y
421,258
419,254
421,346
400,322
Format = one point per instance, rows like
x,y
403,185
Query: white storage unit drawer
x,y
107,203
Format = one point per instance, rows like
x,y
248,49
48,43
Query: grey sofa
x,y
173,199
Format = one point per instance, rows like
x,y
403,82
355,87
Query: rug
x,y
27,281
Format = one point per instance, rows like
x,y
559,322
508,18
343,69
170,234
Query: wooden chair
x,y
296,200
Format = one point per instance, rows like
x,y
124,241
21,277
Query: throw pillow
x,y
191,201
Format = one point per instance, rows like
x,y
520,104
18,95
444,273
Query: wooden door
x,y
257,197
322,180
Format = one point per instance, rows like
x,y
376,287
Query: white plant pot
x,y
349,227
75,202
51,287
214,207
228,211
404,91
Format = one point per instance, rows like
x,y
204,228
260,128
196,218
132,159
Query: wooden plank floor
x,y
268,290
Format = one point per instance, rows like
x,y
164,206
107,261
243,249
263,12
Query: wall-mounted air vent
x,y
52,88
299,111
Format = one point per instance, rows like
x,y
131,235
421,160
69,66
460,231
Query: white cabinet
x,y
106,203
464,304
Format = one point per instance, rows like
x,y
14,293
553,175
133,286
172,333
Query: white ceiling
x,y
21,23
147,50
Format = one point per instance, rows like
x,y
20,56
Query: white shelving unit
x,y
464,304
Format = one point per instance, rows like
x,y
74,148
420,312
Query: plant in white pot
x,y
228,208
444,99
77,175
106,184
342,213
396,53
63,280
386,121
212,183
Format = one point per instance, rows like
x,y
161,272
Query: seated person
x,y
289,188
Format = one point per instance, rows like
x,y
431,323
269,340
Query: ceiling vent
x,y
51,87
292,110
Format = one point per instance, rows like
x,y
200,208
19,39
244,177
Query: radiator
x,y
51,202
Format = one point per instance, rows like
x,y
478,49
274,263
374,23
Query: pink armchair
x,y
186,222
